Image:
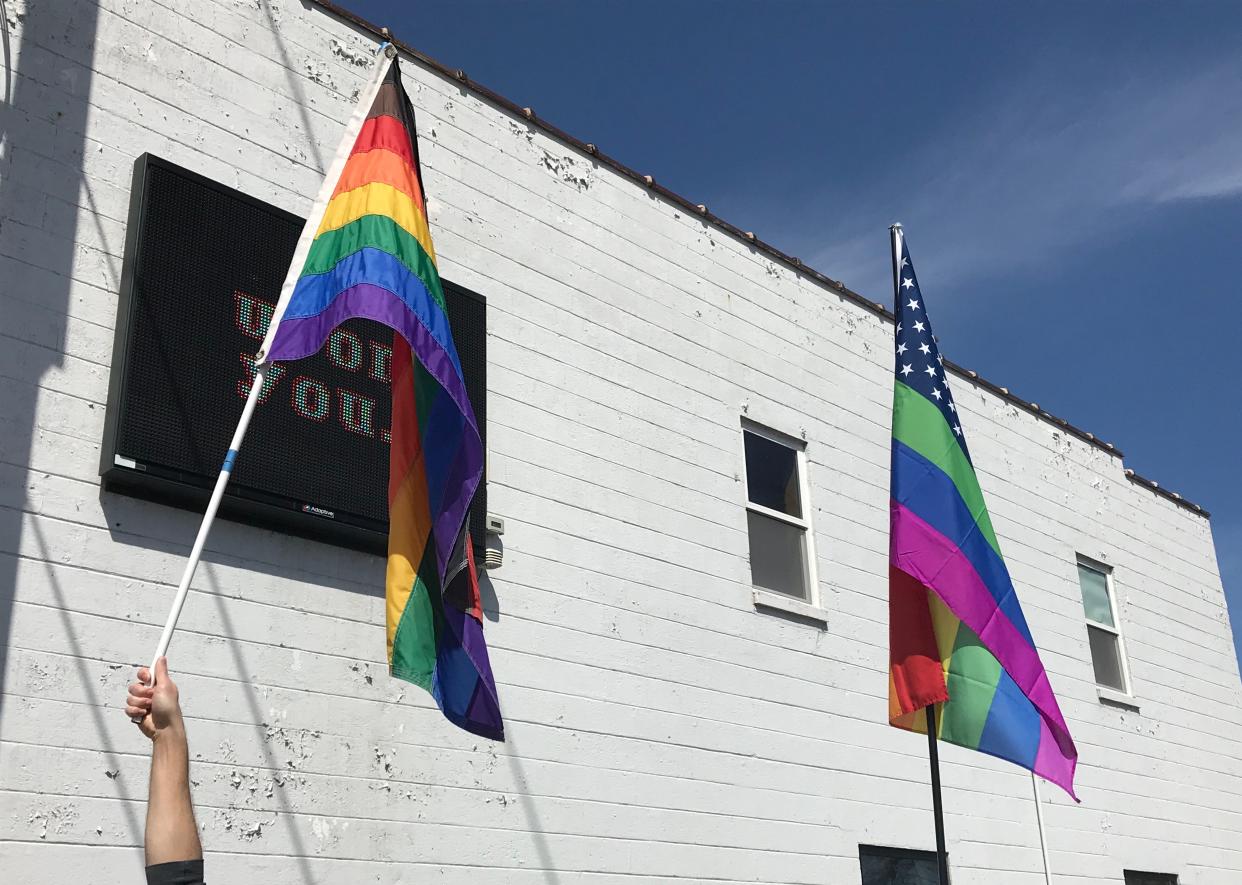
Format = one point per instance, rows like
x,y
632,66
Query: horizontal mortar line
x,y
154,582
302,772
696,368
400,824
743,698
816,657
538,689
423,822
126,90
90,137
680,564
217,63
565,727
59,352
235,560
1189,626
827,557
645,774
410,863
59,314
624,468
539,760
741,342
36,385
441,75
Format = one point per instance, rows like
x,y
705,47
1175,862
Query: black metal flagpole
x,y
942,855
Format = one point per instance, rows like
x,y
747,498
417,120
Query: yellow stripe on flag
x,y
378,198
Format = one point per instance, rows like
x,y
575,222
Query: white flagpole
x,y
1043,838
330,178
295,270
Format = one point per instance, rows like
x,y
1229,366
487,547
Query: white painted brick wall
x,y
660,727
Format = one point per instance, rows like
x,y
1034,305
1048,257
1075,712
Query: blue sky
x,y
1069,175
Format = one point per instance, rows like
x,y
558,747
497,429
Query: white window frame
x,y
1127,689
809,606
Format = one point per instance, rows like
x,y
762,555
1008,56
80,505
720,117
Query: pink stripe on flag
x,y
922,552
1052,762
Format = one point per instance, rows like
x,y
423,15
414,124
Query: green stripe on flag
x,y
377,232
918,424
414,644
973,676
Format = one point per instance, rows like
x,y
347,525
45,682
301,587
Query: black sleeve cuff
x,y
179,872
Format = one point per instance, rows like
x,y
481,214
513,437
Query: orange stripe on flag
x,y
383,166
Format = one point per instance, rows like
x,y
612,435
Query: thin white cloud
x,y
1040,168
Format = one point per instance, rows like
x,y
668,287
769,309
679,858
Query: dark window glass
x,y
897,866
1133,877
1106,658
772,475
777,555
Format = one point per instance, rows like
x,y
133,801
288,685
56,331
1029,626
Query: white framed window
x,y
778,514
1099,603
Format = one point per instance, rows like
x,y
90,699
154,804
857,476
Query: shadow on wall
x,y
42,146
278,786
534,824
161,528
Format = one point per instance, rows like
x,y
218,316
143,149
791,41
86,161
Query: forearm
x,y
171,831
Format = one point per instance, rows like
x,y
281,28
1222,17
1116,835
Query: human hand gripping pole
x,y
387,51
171,836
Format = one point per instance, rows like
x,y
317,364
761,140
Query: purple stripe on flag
x,y
922,552
299,337
482,714
465,474
1056,759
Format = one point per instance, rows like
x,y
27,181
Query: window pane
x,y
1134,877
772,475
1106,656
891,866
777,555
1094,584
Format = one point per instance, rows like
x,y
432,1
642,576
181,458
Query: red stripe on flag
x,y
914,658
406,448
388,133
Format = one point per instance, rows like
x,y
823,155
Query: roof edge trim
x,y
746,238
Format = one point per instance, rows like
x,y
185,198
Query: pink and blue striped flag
x,y
957,635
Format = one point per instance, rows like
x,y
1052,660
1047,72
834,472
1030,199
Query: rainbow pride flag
x,y
957,635
371,256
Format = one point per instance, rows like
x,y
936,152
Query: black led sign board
x,y
203,268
